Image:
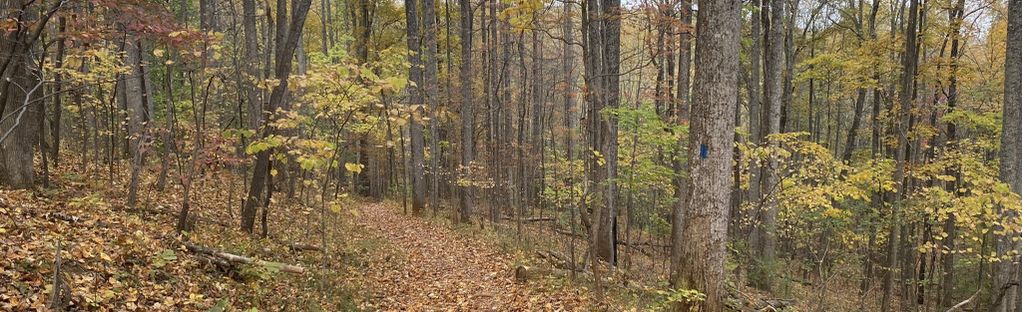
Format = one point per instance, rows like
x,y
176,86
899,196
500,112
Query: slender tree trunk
x,y
467,114
681,116
138,112
570,122
432,93
755,120
606,238
58,90
771,124
287,42
947,278
906,96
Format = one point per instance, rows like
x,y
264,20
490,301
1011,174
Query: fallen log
x,y
528,220
524,273
299,247
776,304
242,259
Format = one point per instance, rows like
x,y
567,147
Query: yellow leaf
x,y
158,52
354,168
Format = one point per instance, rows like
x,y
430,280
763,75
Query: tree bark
x,y
58,82
755,121
910,62
432,93
287,43
681,116
1005,281
606,235
773,79
710,152
415,102
467,113
20,88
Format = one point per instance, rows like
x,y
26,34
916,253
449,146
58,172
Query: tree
x,y
467,113
1005,288
906,96
415,102
21,90
287,39
681,112
710,148
601,57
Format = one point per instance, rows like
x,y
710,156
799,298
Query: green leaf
x,y
168,255
220,306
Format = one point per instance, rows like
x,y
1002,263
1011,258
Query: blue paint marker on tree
x,y
704,151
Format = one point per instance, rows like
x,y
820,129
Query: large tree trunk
x,y
1005,287
710,150
20,88
415,100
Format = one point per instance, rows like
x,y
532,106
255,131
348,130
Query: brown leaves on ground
x,y
426,266
119,259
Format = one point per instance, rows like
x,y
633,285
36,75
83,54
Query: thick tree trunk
x,y
415,100
710,151
20,87
1005,283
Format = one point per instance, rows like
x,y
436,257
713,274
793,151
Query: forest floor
x,y
357,256
430,266
108,257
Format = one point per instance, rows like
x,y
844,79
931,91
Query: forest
x,y
511,155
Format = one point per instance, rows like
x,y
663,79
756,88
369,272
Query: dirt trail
x,y
428,267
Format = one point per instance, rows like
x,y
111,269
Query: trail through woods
x,y
419,265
